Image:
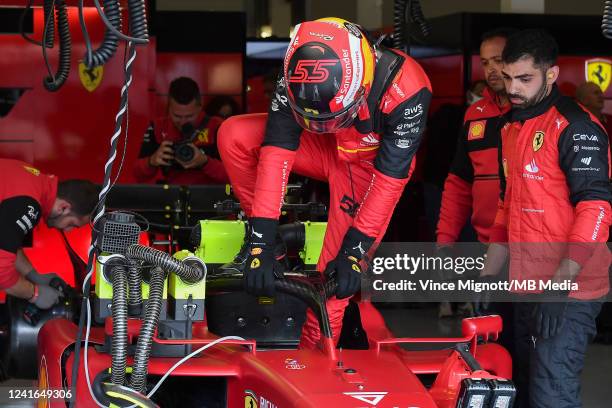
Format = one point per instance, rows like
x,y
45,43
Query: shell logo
x,y
476,130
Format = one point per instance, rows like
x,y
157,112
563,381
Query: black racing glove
x,y
549,317
261,266
345,267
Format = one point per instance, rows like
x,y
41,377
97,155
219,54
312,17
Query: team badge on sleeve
x,y
477,130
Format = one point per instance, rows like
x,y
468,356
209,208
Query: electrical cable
x,y
22,21
119,34
107,49
399,23
187,357
55,82
606,22
99,212
44,39
86,39
49,24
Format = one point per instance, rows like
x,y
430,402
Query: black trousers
x,y
548,370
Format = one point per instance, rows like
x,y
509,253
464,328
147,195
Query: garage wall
x,y
201,5
592,7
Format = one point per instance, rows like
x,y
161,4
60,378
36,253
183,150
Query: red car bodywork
x,y
385,374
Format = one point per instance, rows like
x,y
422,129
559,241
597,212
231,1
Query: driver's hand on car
x,y
199,159
163,156
345,268
261,265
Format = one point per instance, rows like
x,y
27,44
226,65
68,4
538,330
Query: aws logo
x,y
413,112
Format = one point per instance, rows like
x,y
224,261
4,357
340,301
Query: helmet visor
x,y
330,122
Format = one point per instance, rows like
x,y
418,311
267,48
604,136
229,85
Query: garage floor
x,y
596,378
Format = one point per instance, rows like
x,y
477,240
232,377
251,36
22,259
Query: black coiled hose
x,y
119,311
138,19
135,285
138,377
417,16
188,274
402,9
399,24
606,23
49,24
65,44
109,45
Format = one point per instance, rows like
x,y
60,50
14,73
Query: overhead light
x,y
265,31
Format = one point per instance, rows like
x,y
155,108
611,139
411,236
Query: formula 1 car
x,y
175,330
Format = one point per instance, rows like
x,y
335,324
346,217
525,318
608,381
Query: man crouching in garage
x,y
554,214
345,112
26,195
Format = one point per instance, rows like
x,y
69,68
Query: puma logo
x,y
360,248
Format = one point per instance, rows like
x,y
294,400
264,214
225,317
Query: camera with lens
x,y
183,149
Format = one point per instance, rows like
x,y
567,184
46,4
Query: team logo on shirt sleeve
x,y
477,130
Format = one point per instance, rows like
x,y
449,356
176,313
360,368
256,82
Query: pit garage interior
x,y
155,289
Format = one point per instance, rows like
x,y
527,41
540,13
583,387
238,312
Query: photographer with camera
x,y
181,148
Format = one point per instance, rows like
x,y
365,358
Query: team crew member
x,y
26,197
472,186
345,112
590,95
188,125
554,214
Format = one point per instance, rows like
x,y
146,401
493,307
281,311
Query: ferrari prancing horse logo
x,y
538,140
598,71
90,77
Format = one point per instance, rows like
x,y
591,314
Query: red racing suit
x,y
26,195
163,129
366,165
555,194
472,185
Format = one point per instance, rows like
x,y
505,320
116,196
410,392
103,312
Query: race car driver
x,y
346,112
554,214
26,196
